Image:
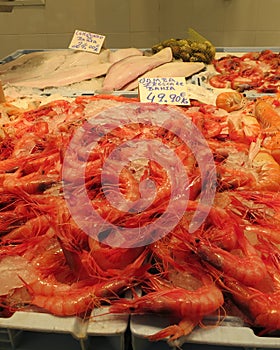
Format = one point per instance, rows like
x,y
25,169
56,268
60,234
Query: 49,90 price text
x,y
171,90
168,98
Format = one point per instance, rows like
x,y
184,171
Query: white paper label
x,y
199,93
170,90
87,41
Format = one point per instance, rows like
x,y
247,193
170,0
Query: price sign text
x,y
87,41
170,90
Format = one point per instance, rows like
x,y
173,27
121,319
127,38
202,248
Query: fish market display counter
x,y
122,331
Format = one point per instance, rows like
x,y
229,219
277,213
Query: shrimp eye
x,y
103,235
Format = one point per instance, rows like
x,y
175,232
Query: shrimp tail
x,y
175,331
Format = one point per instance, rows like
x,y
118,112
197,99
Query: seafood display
x,y
54,68
81,70
253,70
119,70
101,195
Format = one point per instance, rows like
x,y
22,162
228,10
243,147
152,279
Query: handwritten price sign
x,y
172,91
87,41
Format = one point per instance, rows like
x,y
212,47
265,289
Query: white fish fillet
x,y
73,68
66,76
32,66
170,69
34,58
124,71
120,54
46,69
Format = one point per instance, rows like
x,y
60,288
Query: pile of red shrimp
x,y
229,265
252,70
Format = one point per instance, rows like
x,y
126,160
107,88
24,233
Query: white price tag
x,y
171,90
199,93
87,41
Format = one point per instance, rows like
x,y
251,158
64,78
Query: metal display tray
x,y
227,49
233,49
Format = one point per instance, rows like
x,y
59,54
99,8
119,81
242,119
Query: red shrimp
x,y
50,286
220,81
88,257
6,147
67,304
48,109
175,331
108,258
160,178
46,255
224,148
208,123
248,268
261,307
185,155
243,172
243,128
35,131
9,220
189,305
258,210
228,63
249,77
245,83
270,57
31,183
272,144
128,184
163,252
32,227
41,255
80,299
141,218
267,115
26,144
220,229
48,162
71,171
271,256
190,276
106,210
12,164
255,231
262,206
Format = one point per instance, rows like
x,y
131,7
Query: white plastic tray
x,y
100,323
231,333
